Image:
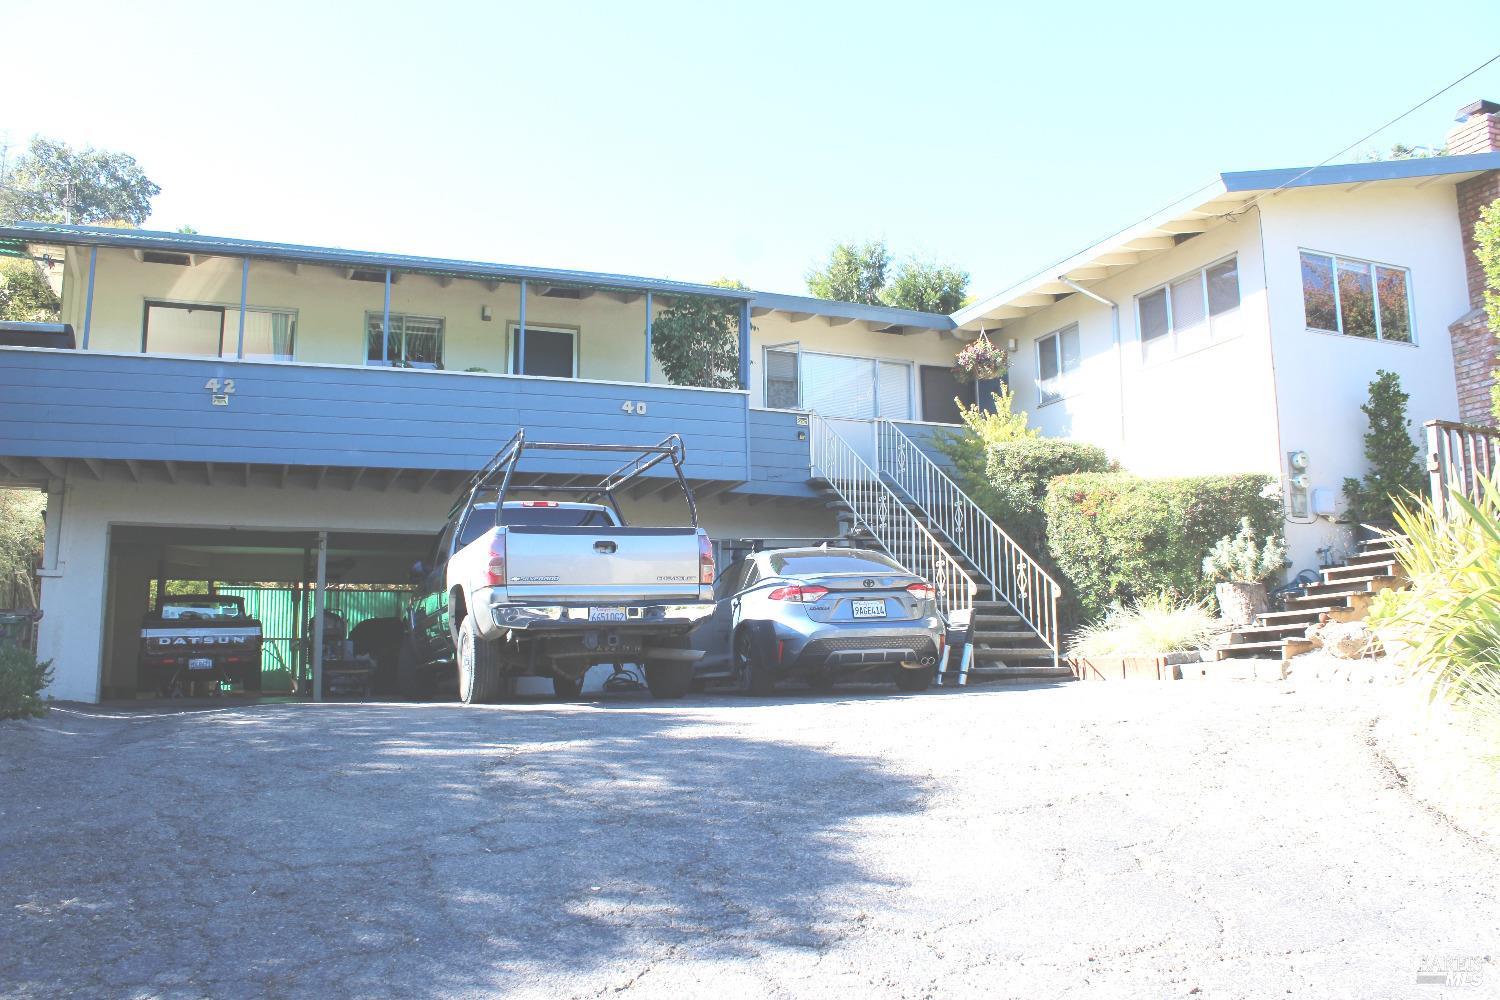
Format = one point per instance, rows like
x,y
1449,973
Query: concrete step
x,y
993,674
986,620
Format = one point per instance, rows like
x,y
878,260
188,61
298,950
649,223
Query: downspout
x,y
1114,318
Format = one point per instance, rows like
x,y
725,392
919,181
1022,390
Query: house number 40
x,y
632,406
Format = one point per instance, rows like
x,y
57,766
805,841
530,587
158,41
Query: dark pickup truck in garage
x,y
199,638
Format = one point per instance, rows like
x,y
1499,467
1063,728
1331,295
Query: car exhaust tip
x,y
928,661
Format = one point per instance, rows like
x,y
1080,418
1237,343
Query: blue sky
x,y
697,140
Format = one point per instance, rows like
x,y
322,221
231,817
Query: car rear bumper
x,y
500,616
842,648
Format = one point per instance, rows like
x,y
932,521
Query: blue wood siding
x,y
75,404
927,436
780,463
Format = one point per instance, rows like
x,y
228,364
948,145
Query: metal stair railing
x,y
1009,570
886,518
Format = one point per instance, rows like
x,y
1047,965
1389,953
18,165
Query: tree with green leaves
x,y
21,531
53,182
855,272
696,340
25,294
1487,250
1391,452
926,287
862,272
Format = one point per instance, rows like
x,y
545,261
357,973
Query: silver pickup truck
x,y
551,587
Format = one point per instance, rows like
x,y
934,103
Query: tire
x,y
919,679
414,683
479,676
752,662
669,678
566,688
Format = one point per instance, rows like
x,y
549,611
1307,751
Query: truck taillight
x,y
705,560
538,503
496,568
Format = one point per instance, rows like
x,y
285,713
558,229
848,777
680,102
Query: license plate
x,y
607,614
869,609
200,663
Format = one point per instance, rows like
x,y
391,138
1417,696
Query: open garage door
x,y
269,577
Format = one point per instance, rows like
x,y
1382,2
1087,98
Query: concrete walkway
x,y
1113,840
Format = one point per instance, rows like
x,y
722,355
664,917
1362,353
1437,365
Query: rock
x,y
1344,640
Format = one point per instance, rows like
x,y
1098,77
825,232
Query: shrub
x,y
1116,537
1239,558
1391,453
1447,622
1018,475
1156,624
969,449
21,681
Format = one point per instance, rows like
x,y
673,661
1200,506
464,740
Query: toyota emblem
x,y
869,584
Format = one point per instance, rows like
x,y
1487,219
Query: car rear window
x,y
172,609
482,519
848,561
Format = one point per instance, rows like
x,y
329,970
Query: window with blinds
x,y
856,388
781,379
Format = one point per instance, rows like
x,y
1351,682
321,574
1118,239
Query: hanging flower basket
x,y
980,361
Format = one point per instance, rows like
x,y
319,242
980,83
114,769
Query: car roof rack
x,y
497,473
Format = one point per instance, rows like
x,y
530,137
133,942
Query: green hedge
x,y
1018,474
21,681
1115,536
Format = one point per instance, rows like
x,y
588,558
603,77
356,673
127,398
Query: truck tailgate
x,y
601,564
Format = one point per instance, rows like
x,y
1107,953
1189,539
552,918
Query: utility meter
x,y
1298,484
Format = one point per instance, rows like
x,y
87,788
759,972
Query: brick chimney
x,y
1474,343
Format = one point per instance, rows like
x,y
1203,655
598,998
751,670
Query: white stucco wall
x,y
1321,379
1208,411
77,620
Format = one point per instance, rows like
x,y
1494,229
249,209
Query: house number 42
x,y
632,406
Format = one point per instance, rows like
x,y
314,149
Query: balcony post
x,y
521,334
385,323
745,344
648,338
244,290
88,303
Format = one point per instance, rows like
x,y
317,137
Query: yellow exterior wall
x,y
331,311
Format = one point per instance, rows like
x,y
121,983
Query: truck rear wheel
x,y
479,676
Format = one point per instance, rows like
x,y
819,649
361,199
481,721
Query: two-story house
x,y
231,405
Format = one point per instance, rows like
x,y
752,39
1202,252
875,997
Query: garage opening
x,y
184,603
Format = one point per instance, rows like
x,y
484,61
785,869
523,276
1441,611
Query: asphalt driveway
x,y
1120,840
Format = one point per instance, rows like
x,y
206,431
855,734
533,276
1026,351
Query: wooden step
x,y
1261,633
1350,585
1269,648
1334,574
1308,616
988,653
1009,638
1371,556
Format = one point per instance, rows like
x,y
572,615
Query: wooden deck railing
x,y
1457,456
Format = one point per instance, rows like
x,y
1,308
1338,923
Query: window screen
x,y
179,329
895,390
415,341
838,387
